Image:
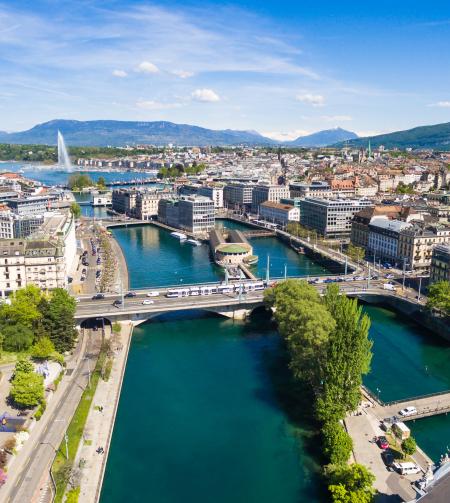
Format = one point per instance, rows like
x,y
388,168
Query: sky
x,y
282,68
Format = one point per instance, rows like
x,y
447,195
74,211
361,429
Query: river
x,y
202,415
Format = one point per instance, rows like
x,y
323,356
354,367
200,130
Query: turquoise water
x,y
432,434
155,258
279,255
201,418
90,211
408,361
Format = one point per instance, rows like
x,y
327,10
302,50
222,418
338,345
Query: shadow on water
x,y
282,392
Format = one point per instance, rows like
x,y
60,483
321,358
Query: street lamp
x,y
378,393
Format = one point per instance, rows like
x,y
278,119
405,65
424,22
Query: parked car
x,y
388,458
408,411
130,295
147,302
98,296
382,442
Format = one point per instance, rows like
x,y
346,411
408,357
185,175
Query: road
x,y
87,307
35,458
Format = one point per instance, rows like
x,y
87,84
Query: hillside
x,y
120,133
436,137
323,138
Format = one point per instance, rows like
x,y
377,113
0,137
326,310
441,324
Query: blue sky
x,y
281,68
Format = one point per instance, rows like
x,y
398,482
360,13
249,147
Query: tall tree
x,y
348,356
439,296
58,318
27,389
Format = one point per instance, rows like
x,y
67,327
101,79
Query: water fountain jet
x,y
63,155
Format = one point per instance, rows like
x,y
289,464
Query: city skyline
x,y
284,71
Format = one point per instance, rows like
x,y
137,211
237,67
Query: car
x,y
153,294
129,295
408,411
98,296
389,276
147,302
82,278
77,299
388,458
382,442
117,302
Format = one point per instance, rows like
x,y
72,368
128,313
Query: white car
x,y
147,302
153,294
408,411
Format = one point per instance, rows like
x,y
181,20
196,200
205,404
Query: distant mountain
x,y
120,133
436,137
323,138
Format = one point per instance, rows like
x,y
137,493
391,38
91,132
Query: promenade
x,y
100,422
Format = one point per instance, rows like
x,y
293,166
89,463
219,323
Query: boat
x,y
179,235
194,242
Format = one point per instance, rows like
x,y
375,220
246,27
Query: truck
x,y
389,286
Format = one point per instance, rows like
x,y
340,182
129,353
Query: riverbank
x,y
100,422
122,277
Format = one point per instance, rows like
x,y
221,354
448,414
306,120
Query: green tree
x,y
16,337
24,365
337,443
23,308
27,389
409,446
101,182
75,210
348,356
79,181
356,253
439,296
42,348
351,484
58,319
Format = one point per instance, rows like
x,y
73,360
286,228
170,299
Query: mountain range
x,y
121,133
436,137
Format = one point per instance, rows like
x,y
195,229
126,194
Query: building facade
x,y
214,193
360,223
238,196
383,241
147,204
440,263
331,217
263,193
124,201
196,214
278,213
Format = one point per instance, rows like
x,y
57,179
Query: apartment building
x,y
440,263
331,217
213,192
278,213
263,193
31,205
416,243
147,203
360,223
383,239
44,262
124,200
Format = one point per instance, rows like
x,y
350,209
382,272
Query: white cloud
x,y
119,73
205,95
182,74
316,100
441,104
147,67
156,105
286,136
337,118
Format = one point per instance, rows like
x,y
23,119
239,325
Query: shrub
x,y
40,410
24,365
73,495
42,348
17,337
27,390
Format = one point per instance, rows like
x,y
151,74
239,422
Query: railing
x,y
404,400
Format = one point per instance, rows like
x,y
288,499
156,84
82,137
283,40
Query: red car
x,y
382,443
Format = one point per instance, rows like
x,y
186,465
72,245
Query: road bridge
x,y
232,305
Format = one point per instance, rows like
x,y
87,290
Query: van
x,y
406,468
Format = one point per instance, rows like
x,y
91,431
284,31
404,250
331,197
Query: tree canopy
x,y
27,389
439,296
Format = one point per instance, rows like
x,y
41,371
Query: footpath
x,y
100,422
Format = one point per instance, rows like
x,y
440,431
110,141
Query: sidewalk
x,y
99,425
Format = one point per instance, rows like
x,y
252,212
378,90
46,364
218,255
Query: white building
x,y
279,213
384,234
214,193
263,193
101,199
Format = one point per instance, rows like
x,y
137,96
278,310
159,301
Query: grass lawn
x,y
61,466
